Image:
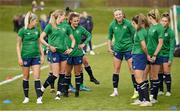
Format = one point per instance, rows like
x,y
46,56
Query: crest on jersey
x,y
36,33
77,31
124,27
63,29
116,28
153,30
166,34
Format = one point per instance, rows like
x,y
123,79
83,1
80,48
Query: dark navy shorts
x,y
56,57
139,61
27,62
165,59
120,55
158,61
75,60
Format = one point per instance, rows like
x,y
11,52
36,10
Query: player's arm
x,y
18,49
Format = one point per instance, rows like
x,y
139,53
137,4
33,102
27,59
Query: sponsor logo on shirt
x,y
153,30
28,33
116,28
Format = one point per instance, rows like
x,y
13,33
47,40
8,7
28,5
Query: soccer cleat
x,y
135,95
77,94
168,94
71,89
92,52
160,93
84,88
57,97
114,94
42,89
52,91
151,97
145,103
95,81
26,100
136,102
58,94
153,101
39,100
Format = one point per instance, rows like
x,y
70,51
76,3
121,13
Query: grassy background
x,y
98,98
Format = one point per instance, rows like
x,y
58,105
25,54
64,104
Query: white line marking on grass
x,y
19,76
10,69
99,45
43,67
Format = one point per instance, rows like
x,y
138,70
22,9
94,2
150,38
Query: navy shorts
x,y
27,62
75,60
158,61
120,55
165,59
139,61
56,57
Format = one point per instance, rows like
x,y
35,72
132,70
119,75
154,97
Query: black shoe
x,y
77,94
95,81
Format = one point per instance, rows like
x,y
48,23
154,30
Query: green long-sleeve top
x,y
168,44
78,32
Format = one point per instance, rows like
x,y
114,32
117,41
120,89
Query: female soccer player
x,y
167,51
30,54
155,42
75,57
58,34
140,56
123,33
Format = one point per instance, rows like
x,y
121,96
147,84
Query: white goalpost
x,y
175,21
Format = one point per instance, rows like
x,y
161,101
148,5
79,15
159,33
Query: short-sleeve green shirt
x,y
138,37
168,43
154,34
123,34
57,37
78,32
30,44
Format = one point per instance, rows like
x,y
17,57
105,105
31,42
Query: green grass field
x,y
101,63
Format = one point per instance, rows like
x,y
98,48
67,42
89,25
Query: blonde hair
x,y
28,18
154,14
54,16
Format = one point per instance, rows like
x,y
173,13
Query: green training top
x,y
154,34
30,44
138,37
168,43
57,37
123,34
78,32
